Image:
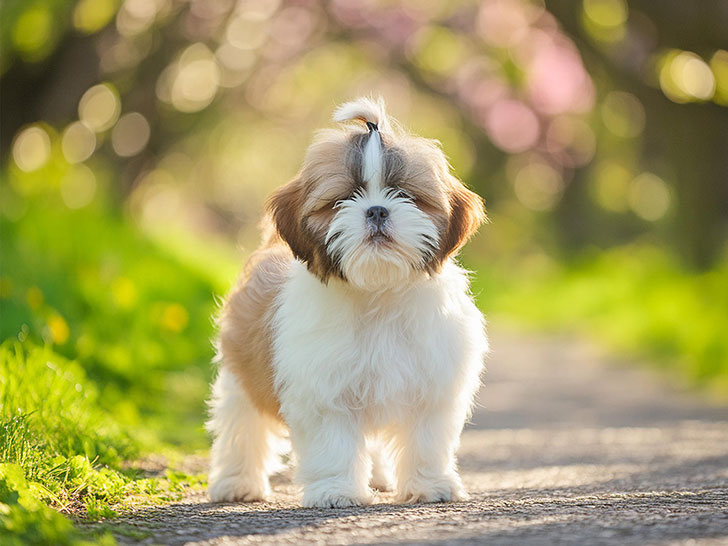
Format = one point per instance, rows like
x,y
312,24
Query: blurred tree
x,y
689,140
584,124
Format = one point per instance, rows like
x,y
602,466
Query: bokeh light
x,y
504,23
99,107
234,57
571,141
33,32
649,196
248,30
538,186
693,75
605,20
512,125
90,16
557,81
136,16
290,28
31,149
623,114
719,66
191,83
78,142
684,77
439,51
155,201
130,135
610,186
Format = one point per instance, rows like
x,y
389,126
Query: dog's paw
x,y
448,489
382,484
328,494
237,488
332,501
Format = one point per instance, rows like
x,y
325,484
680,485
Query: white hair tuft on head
x,y
365,110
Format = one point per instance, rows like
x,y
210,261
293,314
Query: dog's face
x,y
374,207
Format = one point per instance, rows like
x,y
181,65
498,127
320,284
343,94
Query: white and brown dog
x,y
352,326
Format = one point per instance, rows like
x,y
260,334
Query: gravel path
x,y
568,448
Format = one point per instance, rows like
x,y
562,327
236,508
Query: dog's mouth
x,y
379,238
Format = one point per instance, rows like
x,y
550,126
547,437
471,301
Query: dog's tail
x,y
364,110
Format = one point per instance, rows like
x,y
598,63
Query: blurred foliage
x,y
85,284
636,299
89,284
139,139
562,115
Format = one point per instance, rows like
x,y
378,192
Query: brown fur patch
x,y
245,323
466,215
426,174
302,232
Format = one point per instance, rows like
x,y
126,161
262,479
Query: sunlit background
x,y
141,137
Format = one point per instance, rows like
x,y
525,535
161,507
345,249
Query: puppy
x,y
352,327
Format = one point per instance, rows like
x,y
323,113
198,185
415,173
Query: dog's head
x,y
372,205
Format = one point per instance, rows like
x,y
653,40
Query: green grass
x,y
634,299
137,317
106,358
60,449
26,519
48,406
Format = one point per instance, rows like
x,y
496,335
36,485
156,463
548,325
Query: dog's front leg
x,y
426,467
333,464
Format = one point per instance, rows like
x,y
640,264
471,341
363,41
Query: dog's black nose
x,y
377,215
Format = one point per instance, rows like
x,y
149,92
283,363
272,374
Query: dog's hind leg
x,y
244,450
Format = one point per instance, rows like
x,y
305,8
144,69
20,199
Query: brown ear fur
x,y
466,214
285,208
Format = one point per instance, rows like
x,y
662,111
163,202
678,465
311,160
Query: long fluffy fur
x,y
359,339
365,110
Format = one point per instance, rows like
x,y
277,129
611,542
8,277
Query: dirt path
x,y
569,448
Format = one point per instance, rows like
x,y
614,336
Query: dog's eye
x,y
339,202
403,194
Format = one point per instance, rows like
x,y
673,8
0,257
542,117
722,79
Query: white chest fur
x,y
376,355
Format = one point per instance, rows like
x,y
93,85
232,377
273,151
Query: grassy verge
x,y
105,358
635,299
137,318
61,449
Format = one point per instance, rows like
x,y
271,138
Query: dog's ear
x,y
285,206
467,213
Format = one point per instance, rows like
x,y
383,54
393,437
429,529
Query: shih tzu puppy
x,y
352,328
